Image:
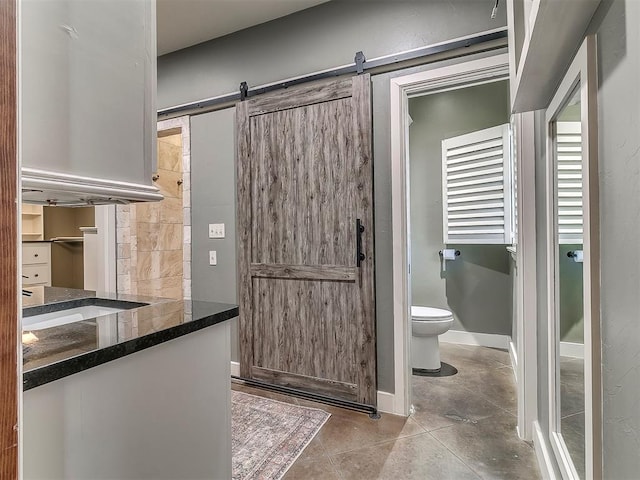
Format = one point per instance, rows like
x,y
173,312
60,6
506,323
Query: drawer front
x,y
33,253
37,274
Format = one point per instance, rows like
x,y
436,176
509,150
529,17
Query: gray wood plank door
x,y
307,306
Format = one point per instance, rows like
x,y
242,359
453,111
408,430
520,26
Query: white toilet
x,y
426,324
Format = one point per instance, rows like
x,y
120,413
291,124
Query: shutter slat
x,y
478,156
569,181
476,175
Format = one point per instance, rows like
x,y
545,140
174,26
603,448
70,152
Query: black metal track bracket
x,y
244,90
359,61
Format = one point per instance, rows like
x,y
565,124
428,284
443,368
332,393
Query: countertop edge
x,y
49,373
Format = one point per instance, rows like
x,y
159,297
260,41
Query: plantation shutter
x,y
476,180
569,186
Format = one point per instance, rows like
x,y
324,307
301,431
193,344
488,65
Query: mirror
x,y
569,278
573,271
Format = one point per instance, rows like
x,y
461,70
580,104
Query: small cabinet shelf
x,y
32,222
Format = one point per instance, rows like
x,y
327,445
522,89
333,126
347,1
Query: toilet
x,y
426,324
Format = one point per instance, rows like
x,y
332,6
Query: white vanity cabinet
x,y
88,89
36,264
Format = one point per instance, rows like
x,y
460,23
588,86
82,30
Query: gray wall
x,y
477,286
618,38
571,296
322,37
213,198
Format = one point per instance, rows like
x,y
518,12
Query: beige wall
x,y
67,259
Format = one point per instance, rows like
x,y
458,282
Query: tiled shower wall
x,y
154,239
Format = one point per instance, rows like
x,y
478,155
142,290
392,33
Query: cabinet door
x,y
88,88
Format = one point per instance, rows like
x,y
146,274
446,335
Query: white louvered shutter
x,y
476,187
569,178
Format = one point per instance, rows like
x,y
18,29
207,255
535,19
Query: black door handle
x,y
359,231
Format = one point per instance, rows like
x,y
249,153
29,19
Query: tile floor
x,y
572,410
464,427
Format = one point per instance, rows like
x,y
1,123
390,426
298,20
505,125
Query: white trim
x,y
513,354
542,453
386,400
466,73
491,340
526,275
571,349
80,187
105,219
582,72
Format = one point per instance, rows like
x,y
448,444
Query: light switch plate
x,y
213,258
216,230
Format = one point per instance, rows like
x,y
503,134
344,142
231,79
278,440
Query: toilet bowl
x,y
426,324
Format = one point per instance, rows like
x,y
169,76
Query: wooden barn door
x,y
305,251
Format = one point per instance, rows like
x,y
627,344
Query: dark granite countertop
x,y
56,352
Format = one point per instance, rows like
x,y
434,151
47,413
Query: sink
x,y
62,313
62,317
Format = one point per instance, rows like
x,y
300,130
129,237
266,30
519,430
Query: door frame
x,y
465,73
10,201
582,72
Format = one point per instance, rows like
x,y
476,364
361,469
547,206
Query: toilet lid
x,y
430,313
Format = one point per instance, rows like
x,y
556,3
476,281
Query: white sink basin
x,y
62,317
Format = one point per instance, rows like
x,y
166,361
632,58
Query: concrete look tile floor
x,y
464,427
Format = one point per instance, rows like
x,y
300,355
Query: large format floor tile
x,y
418,457
439,405
462,428
491,448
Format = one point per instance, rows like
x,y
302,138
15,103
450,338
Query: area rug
x,y
267,436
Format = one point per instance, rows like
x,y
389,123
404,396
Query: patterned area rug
x,y
268,436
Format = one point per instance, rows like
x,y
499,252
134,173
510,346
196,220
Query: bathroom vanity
x,y
122,386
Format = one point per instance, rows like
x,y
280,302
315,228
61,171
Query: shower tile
x,y
170,210
170,153
170,183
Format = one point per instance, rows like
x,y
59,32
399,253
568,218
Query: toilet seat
x,y
430,314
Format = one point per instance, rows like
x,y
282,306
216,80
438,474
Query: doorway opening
x,y
154,238
454,261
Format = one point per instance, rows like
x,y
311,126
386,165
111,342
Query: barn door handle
x,y
359,231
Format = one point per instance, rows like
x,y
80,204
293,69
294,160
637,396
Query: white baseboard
x,y
386,400
543,453
570,349
513,353
491,340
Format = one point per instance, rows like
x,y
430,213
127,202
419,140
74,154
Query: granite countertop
x,y
56,352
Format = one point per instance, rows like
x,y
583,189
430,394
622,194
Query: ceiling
x,y
182,23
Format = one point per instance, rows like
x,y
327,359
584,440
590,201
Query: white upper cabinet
x,y
88,92
544,35
477,188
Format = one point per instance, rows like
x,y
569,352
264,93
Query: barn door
x,y
305,251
